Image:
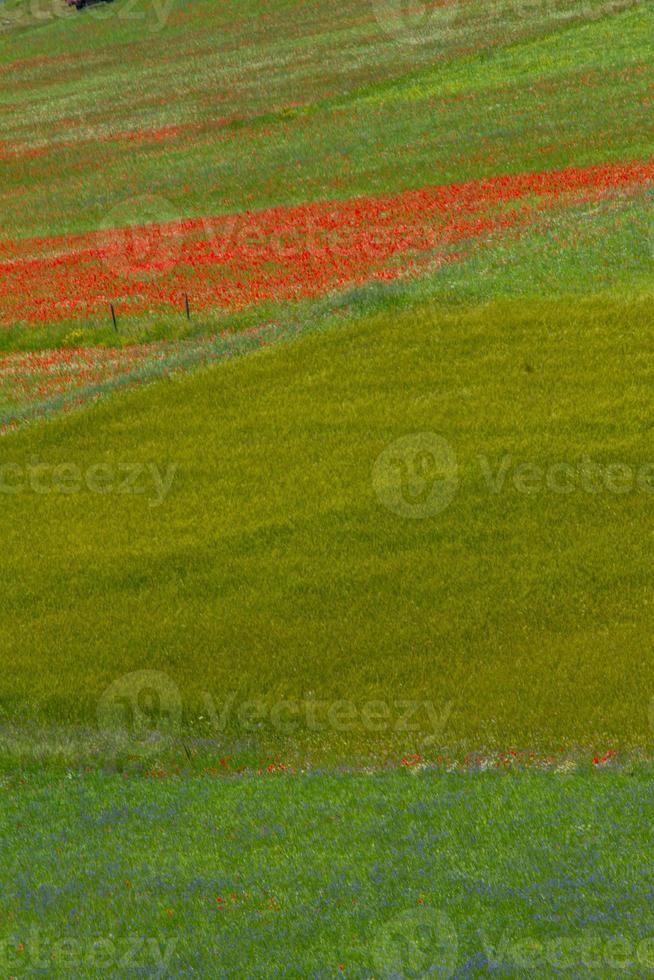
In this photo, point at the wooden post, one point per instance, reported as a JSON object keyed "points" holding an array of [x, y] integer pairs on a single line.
{"points": [[113, 317], [188, 309]]}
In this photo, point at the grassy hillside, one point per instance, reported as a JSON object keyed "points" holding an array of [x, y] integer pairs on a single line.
{"points": [[215, 111], [221, 107], [450, 219], [326, 487], [283, 563]]}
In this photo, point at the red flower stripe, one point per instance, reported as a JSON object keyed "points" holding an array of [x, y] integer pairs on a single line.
{"points": [[280, 253]]}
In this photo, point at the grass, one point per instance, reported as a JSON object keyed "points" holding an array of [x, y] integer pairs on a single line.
{"points": [[216, 126], [276, 565], [331, 659], [571, 247], [331, 874]]}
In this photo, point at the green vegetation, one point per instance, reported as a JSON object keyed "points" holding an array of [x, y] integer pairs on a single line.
{"points": [[224, 107], [272, 568], [326, 875], [269, 627]]}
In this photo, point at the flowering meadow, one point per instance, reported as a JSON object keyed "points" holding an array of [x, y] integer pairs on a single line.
{"points": [[328, 874], [35, 385], [282, 253], [247, 191], [326, 487], [279, 256], [428, 221]]}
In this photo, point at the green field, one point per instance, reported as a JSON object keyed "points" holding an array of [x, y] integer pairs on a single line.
{"points": [[326, 617], [278, 562], [325, 875], [263, 550], [269, 105]]}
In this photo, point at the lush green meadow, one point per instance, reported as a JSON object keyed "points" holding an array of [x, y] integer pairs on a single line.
{"points": [[276, 561], [326, 613], [221, 108], [326, 875], [255, 549]]}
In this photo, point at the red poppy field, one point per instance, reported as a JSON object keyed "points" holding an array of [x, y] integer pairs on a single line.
{"points": [[282, 254]]}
